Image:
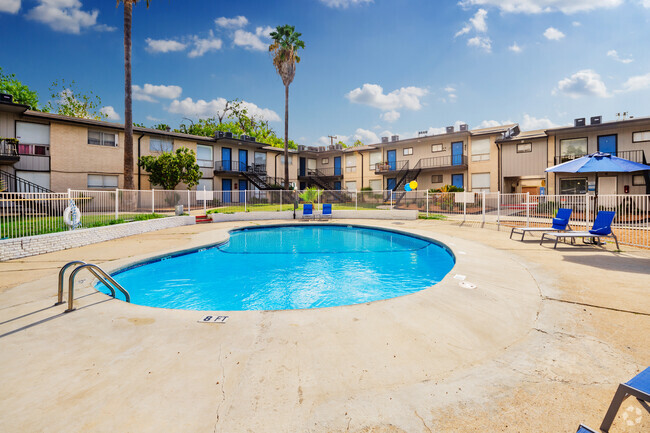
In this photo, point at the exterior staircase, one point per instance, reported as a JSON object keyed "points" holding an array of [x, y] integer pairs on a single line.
{"points": [[404, 176]]}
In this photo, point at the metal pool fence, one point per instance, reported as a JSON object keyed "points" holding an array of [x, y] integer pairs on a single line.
{"points": [[27, 214]]}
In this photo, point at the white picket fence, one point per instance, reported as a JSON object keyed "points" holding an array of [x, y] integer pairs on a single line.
{"points": [[26, 214]]}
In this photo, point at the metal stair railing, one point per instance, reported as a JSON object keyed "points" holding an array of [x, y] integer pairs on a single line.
{"points": [[13, 183], [98, 272]]}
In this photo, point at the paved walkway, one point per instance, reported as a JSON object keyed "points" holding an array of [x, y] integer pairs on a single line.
{"points": [[540, 346]]}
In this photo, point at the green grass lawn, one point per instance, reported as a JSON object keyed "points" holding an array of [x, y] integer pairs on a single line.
{"points": [[235, 207]]}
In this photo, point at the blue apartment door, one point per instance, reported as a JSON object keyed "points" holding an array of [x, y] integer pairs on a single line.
{"points": [[337, 166], [243, 159], [390, 183], [457, 153], [303, 167], [457, 180], [337, 185], [226, 187], [243, 186], [391, 156], [226, 158], [607, 144]]}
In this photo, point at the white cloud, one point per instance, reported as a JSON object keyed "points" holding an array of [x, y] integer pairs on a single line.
{"points": [[231, 23], [149, 92], [614, 55], [65, 16], [437, 130], [531, 123], [639, 82], [203, 109], [390, 116], [484, 43], [477, 22], [544, 6], [110, 113], [583, 83], [553, 34], [576, 24], [646, 3], [104, 28], [153, 119], [365, 136], [451, 94], [491, 124], [515, 48], [164, 45], [10, 6], [343, 4], [374, 96], [253, 41], [202, 46]]}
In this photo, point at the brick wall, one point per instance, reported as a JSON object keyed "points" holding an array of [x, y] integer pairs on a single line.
{"points": [[41, 244]]}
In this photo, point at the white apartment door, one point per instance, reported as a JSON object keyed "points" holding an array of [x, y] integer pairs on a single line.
{"points": [[607, 185]]}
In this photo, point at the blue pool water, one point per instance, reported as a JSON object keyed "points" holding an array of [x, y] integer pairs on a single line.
{"points": [[290, 267]]}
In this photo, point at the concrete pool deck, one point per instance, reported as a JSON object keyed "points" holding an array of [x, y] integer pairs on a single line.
{"points": [[540, 345]]}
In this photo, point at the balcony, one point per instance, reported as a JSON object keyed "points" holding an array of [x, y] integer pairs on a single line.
{"points": [[443, 162], [8, 152], [235, 167], [390, 167], [321, 172], [631, 155]]}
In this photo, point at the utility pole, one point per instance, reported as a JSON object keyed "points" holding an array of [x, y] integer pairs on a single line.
{"points": [[332, 138]]}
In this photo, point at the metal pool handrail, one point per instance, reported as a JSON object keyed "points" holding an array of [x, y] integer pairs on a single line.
{"points": [[96, 271], [62, 276]]}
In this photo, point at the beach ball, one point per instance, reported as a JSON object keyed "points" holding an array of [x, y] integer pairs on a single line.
{"points": [[407, 187], [413, 184]]}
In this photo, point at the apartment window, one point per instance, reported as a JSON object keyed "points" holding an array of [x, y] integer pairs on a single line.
{"points": [[158, 144], [638, 180], [290, 160], [481, 182], [205, 184], [436, 178], [260, 159], [408, 151], [375, 184], [32, 149], [374, 158], [573, 147], [99, 138], [573, 186], [351, 164], [481, 150], [436, 148], [34, 138], [102, 181], [524, 147], [325, 161], [311, 164], [204, 155], [351, 186], [640, 136]]}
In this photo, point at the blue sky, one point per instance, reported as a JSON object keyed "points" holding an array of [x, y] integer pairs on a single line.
{"points": [[370, 67]]}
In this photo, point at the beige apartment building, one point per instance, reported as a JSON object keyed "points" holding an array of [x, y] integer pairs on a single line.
{"points": [[56, 152]]}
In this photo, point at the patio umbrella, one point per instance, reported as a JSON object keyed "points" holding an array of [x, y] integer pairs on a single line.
{"points": [[598, 162]]}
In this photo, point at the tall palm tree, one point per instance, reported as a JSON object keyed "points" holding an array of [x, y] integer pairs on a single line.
{"points": [[286, 42], [128, 104]]}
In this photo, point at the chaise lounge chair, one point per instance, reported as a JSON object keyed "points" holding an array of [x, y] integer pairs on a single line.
{"points": [[327, 211], [584, 429], [638, 386], [602, 228], [560, 224], [307, 211]]}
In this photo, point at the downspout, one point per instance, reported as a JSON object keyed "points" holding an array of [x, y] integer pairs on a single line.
{"points": [[499, 184], [361, 169], [139, 169], [276, 168]]}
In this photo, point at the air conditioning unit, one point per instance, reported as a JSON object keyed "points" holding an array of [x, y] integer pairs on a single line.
{"points": [[331, 147], [228, 135], [338, 146], [596, 120], [579, 122], [253, 139], [384, 139], [4, 97], [394, 138], [312, 149], [220, 134], [450, 130], [464, 127], [244, 137], [321, 148], [301, 147]]}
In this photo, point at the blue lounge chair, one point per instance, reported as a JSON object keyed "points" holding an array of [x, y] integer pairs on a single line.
{"points": [[584, 429], [560, 224], [638, 386], [307, 211], [602, 228], [327, 211]]}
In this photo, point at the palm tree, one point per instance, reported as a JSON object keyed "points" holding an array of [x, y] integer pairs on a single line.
{"points": [[128, 104], [285, 46]]}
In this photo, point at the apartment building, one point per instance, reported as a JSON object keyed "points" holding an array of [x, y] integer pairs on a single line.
{"points": [[56, 152]]}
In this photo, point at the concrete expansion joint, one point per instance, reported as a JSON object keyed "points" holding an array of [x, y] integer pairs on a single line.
{"points": [[601, 307]]}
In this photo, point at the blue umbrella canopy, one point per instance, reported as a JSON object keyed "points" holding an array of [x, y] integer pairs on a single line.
{"points": [[599, 162]]}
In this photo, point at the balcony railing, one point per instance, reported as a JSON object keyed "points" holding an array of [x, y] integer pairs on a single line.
{"points": [[8, 150], [631, 155], [391, 166], [443, 161], [238, 167], [322, 172]]}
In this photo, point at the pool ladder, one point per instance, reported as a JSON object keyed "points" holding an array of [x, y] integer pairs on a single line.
{"points": [[98, 272]]}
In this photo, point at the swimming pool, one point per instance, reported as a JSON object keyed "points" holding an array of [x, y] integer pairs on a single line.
{"points": [[290, 267]]}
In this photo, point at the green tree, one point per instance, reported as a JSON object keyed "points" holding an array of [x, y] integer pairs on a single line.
{"points": [[161, 127], [68, 101], [20, 92], [171, 168], [286, 42], [128, 100], [310, 195]]}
